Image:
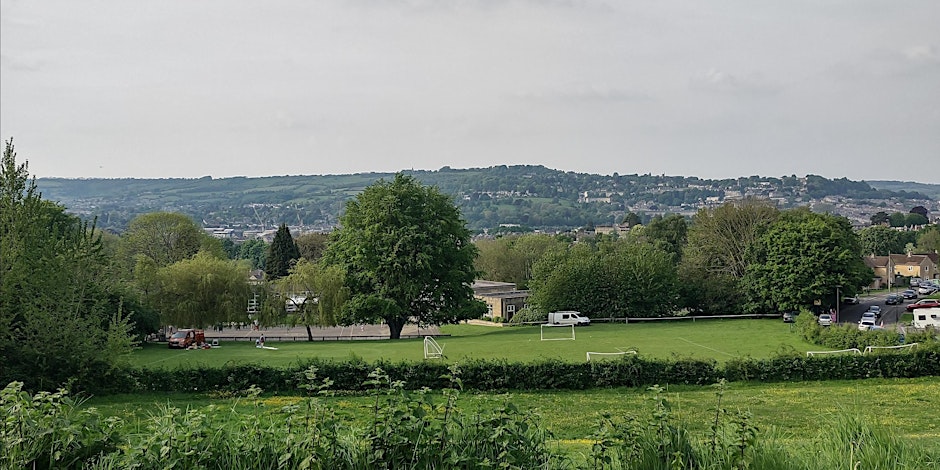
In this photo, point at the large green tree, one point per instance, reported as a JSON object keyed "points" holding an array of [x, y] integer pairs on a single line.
{"points": [[669, 233], [282, 253], [407, 256], [202, 291], [611, 279], [324, 291], [715, 257], [928, 239], [255, 251], [804, 257], [312, 245], [511, 258], [880, 240], [165, 238], [719, 238], [59, 318]]}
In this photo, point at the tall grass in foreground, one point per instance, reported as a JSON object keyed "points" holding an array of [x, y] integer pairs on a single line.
{"points": [[418, 429]]}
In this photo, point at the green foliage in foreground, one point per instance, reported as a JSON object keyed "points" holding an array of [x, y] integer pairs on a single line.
{"points": [[403, 429]]}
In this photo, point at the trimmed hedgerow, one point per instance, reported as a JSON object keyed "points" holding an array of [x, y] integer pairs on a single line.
{"points": [[629, 371]]}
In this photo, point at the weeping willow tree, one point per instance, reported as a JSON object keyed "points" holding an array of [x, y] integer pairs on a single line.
{"points": [[202, 291], [322, 288]]}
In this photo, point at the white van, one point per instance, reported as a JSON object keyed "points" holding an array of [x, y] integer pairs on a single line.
{"points": [[568, 317], [924, 317]]}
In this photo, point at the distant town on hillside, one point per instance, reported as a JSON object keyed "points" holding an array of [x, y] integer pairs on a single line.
{"points": [[520, 197]]}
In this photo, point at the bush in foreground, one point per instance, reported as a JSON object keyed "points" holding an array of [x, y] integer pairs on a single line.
{"points": [[418, 430]]}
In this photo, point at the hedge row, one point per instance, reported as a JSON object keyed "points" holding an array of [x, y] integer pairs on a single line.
{"points": [[629, 371]]}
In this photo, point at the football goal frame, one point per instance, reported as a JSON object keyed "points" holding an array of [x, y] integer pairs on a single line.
{"points": [[549, 325], [869, 349], [850, 350], [432, 349], [608, 354]]}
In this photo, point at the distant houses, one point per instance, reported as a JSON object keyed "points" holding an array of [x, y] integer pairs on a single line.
{"points": [[893, 270]]}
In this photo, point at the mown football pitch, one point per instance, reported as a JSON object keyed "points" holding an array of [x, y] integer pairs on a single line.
{"points": [[720, 340]]}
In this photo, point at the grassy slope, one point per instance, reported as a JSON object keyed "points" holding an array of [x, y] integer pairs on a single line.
{"points": [[797, 412], [711, 339]]}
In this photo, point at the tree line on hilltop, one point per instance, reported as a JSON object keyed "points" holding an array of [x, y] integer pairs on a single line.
{"points": [[528, 195]]}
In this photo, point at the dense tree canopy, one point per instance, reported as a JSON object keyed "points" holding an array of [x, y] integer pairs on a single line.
{"points": [[59, 317], [719, 238], [407, 256], [928, 240], [803, 257], [667, 233], [202, 291], [312, 245], [880, 240], [511, 258], [322, 288], [166, 238], [282, 253], [611, 279], [255, 251]]}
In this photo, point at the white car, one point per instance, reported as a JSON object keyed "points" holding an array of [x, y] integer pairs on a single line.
{"points": [[825, 320], [926, 289], [866, 325], [868, 316]]}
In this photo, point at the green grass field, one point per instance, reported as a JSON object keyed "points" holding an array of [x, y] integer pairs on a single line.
{"points": [[710, 339], [794, 412]]}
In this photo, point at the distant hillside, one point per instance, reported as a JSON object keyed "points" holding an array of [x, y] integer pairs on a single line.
{"points": [[930, 190], [530, 196]]}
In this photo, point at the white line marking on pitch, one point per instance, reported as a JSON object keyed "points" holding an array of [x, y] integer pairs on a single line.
{"points": [[706, 347]]}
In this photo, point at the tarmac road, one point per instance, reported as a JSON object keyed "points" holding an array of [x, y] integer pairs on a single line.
{"points": [[890, 314]]}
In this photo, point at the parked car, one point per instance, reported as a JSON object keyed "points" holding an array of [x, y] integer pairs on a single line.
{"points": [[926, 289], [850, 300], [874, 309], [924, 303], [866, 325], [894, 299], [790, 317], [825, 320], [909, 294]]}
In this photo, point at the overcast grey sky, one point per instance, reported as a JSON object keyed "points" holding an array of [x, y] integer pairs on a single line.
{"points": [[714, 89]]}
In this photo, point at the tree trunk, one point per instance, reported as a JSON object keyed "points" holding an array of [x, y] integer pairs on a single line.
{"points": [[309, 333], [395, 326]]}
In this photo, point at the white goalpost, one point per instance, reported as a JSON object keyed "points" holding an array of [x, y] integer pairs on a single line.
{"points": [[603, 355], [549, 325], [432, 350], [903, 346], [850, 350]]}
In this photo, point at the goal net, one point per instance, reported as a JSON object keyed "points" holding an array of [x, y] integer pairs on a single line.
{"points": [[591, 355], [432, 350], [903, 346], [841, 351], [556, 332]]}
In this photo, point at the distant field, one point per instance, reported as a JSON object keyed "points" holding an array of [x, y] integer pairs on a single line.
{"points": [[709, 339]]}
